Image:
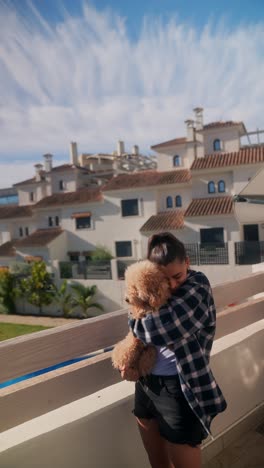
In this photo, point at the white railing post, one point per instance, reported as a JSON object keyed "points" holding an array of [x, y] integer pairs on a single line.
{"points": [[231, 253], [114, 269]]}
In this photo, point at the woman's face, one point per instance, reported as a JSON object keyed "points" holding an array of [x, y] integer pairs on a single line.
{"points": [[177, 272]]}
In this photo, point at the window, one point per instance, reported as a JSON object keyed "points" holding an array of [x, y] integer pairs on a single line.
{"points": [[57, 221], [251, 232], [87, 255], [123, 249], [26, 231], [74, 257], [217, 145], [21, 232], [83, 222], [169, 203], [61, 185], [50, 221], [31, 196], [212, 236], [176, 161], [178, 201], [221, 186], [129, 207], [211, 187]]}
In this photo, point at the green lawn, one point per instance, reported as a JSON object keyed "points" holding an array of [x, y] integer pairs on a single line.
{"points": [[11, 330]]}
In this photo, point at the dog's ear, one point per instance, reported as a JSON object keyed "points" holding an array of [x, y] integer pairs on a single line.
{"points": [[160, 294]]}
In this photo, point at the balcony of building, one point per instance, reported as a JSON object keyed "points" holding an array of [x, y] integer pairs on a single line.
{"points": [[79, 414]]}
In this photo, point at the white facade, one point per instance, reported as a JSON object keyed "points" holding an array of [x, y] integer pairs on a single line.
{"points": [[107, 225]]}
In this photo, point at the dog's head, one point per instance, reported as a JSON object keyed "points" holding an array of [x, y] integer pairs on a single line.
{"points": [[147, 287]]}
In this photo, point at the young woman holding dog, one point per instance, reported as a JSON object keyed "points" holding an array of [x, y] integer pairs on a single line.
{"points": [[175, 405]]}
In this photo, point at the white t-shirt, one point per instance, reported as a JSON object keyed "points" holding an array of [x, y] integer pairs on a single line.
{"points": [[166, 362]]}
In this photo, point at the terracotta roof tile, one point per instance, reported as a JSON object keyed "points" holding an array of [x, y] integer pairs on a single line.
{"points": [[147, 179], [15, 211], [80, 196], [252, 155], [39, 238], [171, 220], [61, 168], [210, 207], [176, 141], [26, 182], [220, 124], [8, 249]]}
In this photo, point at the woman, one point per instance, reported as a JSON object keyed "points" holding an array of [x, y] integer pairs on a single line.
{"points": [[175, 405]]}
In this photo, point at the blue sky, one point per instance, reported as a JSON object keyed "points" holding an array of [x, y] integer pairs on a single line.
{"points": [[99, 71]]}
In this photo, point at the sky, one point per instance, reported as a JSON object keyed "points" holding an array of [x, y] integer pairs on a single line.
{"points": [[100, 71]]}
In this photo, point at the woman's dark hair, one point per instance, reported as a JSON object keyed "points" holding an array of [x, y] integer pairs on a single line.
{"points": [[164, 248]]}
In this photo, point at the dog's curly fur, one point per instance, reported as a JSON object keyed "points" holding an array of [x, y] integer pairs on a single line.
{"points": [[147, 289]]}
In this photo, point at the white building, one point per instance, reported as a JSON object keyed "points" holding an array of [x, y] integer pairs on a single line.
{"points": [[96, 199]]}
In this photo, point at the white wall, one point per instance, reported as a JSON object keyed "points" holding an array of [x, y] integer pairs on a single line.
{"points": [[242, 174], [194, 224], [200, 182], [58, 247], [108, 225], [99, 430], [165, 159], [173, 191], [69, 178], [24, 194], [36, 252], [5, 232], [228, 136], [44, 214], [32, 226]]}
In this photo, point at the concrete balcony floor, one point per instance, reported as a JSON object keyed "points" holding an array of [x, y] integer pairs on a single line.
{"points": [[246, 452]]}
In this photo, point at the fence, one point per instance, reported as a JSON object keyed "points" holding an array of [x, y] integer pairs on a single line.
{"points": [[208, 254], [122, 266], [86, 270], [249, 252], [246, 253]]}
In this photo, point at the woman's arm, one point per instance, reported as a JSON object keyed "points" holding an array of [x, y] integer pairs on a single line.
{"points": [[184, 314]]}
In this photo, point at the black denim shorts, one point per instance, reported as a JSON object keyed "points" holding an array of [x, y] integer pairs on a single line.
{"points": [[161, 398]]}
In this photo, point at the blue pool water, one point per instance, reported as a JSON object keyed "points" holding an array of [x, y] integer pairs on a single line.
{"points": [[7, 383]]}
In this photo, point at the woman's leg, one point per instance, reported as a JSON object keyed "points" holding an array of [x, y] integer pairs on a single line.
{"points": [[154, 444], [184, 455]]}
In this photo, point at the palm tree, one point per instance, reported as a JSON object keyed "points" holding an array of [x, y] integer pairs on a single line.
{"points": [[84, 296], [63, 299]]}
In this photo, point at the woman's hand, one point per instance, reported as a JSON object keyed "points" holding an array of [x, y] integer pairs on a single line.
{"points": [[129, 373]]}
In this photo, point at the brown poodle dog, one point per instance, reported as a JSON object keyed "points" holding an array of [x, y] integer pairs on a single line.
{"points": [[147, 289]]}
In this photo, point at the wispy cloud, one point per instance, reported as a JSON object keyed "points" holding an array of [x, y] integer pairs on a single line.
{"points": [[85, 80]]}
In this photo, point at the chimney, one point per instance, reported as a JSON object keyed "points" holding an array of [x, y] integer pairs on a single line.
{"points": [[198, 113], [47, 162], [135, 150], [120, 148], [115, 167], [74, 154], [38, 168], [190, 129]]}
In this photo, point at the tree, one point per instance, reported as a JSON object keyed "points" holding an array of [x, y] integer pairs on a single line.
{"points": [[38, 288], [63, 298], [83, 298], [7, 304], [101, 253]]}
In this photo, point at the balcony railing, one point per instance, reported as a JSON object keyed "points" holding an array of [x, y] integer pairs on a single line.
{"points": [[86, 270], [122, 266], [80, 415], [221, 253], [249, 252], [208, 254]]}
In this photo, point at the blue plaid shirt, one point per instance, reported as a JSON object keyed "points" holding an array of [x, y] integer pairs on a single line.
{"points": [[186, 323]]}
